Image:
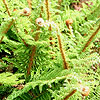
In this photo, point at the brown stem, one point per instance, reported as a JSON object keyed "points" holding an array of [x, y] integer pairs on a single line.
{"points": [[6, 30], [24, 42], [47, 8], [1, 39], [32, 54], [69, 95], [34, 48], [25, 31], [51, 38], [36, 38], [31, 60], [48, 18], [62, 53], [29, 3], [4, 1], [90, 39]]}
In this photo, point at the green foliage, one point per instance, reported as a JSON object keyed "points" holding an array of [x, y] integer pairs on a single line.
{"points": [[31, 67], [10, 79]]}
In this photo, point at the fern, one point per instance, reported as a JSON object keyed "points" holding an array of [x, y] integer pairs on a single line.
{"points": [[41, 58], [14, 79]]}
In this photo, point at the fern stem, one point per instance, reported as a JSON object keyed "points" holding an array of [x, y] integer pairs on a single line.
{"points": [[32, 54], [62, 53], [29, 3], [24, 42], [48, 18], [1, 39], [4, 1], [47, 8], [6, 30], [69, 95], [34, 47], [51, 38], [31, 60], [91, 38]]}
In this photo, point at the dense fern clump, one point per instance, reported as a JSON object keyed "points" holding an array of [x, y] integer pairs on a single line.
{"points": [[49, 50]]}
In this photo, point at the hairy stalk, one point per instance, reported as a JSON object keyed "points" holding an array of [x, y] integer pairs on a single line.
{"points": [[4, 1], [31, 60], [69, 95], [91, 38], [62, 53], [6, 30], [51, 38], [29, 3], [32, 54], [24, 42], [47, 8], [1, 39], [48, 18]]}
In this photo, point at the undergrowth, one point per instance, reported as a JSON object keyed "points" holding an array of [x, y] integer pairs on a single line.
{"points": [[49, 50]]}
